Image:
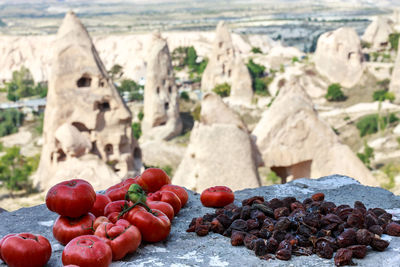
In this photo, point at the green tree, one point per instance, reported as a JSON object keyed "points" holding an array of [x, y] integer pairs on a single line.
{"points": [[256, 50], [394, 40], [22, 85], [335, 93], [381, 95], [191, 58], [222, 90], [256, 70], [137, 130], [367, 155], [16, 168], [259, 82], [132, 88], [116, 71], [371, 123], [10, 121]]}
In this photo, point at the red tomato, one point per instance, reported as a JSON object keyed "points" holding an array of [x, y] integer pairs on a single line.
{"points": [[118, 191], [152, 179], [217, 196], [65, 229], [101, 202], [87, 251], [154, 227], [72, 198], [166, 208], [167, 196], [178, 190], [99, 220], [122, 237], [25, 250], [116, 206]]}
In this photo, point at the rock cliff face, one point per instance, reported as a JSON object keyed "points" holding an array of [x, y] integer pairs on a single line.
{"points": [[294, 141], [377, 33], [338, 56], [241, 88], [161, 119], [220, 152], [188, 249], [87, 127]]}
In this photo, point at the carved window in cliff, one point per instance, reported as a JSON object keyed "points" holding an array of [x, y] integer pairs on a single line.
{"points": [[104, 106], [220, 44], [229, 73], [109, 149], [137, 153], [169, 89], [228, 51], [223, 68], [101, 83], [61, 156], [158, 89], [166, 105], [218, 57], [84, 81], [298, 170]]}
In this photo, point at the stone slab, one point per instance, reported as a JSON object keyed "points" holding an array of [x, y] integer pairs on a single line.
{"points": [[187, 249]]}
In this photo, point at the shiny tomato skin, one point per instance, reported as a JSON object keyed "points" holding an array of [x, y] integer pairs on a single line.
{"points": [[72, 198], [179, 191], [25, 250], [168, 197], [99, 220], [115, 206], [118, 191], [87, 251], [154, 227], [99, 205], [152, 179], [217, 196], [65, 229], [165, 207], [122, 237]]}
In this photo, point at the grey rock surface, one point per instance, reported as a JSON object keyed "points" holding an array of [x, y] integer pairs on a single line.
{"points": [[187, 249]]}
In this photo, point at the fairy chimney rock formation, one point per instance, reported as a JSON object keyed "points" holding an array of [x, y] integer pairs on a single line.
{"points": [[87, 127], [241, 88], [221, 62], [220, 152], [395, 80], [294, 141], [338, 57], [377, 33], [161, 119]]}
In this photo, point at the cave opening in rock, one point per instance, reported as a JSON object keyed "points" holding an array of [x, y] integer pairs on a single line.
{"points": [[80, 126], [84, 81], [103, 106], [109, 149]]}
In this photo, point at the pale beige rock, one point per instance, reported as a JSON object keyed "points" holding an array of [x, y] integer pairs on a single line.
{"points": [[161, 153], [73, 142], [377, 33], [241, 88], [294, 141], [219, 69], [338, 57], [395, 81], [82, 96], [220, 152], [282, 55], [161, 119]]}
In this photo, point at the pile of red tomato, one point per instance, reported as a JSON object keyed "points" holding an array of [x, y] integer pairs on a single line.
{"points": [[97, 228]]}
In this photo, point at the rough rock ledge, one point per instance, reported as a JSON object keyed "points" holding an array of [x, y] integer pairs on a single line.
{"points": [[187, 249]]}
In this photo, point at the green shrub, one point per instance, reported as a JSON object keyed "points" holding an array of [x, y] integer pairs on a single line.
{"points": [[369, 124], [394, 40], [260, 87], [295, 59], [273, 178], [335, 93], [116, 71], [10, 121], [140, 115], [391, 170], [381, 95], [365, 44], [222, 90], [384, 84], [256, 70], [40, 123], [130, 86], [185, 96], [137, 130], [196, 112], [259, 82], [184, 56], [367, 155], [16, 168], [256, 50]]}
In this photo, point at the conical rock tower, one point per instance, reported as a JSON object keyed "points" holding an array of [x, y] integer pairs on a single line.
{"points": [[87, 127]]}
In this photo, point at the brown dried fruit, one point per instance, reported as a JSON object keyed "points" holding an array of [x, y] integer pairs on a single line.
{"points": [[282, 224], [376, 229], [239, 224], [359, 205], [347, 238], [250, 201], [393, 229], [359, 251], [296, 205], [202, 229], [378, 211], [272, 245], [343, 257], [224, 220], [252, 224], [248, 241], [318, 197], [370, 220], [275, 203], [259, 247], [364, 237], [355, 220], [245, 213], [217, 227], [281, 212], [237, 238], [324, 249], [279, 235], [379, 244]]}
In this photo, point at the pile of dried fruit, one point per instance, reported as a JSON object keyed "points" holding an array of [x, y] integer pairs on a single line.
{"points": [[287, 227]]}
